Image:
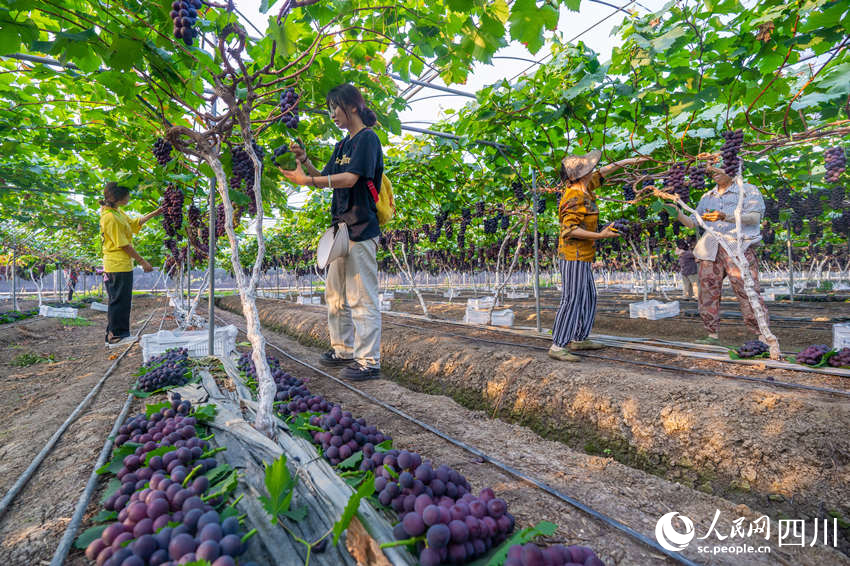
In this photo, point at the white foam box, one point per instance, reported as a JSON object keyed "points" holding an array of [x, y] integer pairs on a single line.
{"points": [[770, 293], [95, 306], [387, 295], [504, 317], [841, 335], [653, 310], [195, 341], [57, 312], [477, 316], [385, 305], [516, 295], [479, 303]]}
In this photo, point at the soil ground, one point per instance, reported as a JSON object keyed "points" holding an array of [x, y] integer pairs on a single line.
{"points": [[632, 496], [35, 400]]}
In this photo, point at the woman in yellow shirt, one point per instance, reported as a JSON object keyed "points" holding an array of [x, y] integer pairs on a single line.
{"points": [[117, 229], [578, 216]]}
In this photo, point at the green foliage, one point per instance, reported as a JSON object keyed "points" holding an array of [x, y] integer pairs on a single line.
{"points": [[280, 484], [29, 359], [366, 489]]}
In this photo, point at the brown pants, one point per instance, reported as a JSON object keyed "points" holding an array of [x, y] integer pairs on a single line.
{"points": [[711, 275]]}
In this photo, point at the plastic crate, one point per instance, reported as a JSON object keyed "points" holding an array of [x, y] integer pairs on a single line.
{"points": [[385, 305], [477, 316], [516, 295], [503, 317], [770, 293], [95, 306], [387, 295], [841, 335], [653, 310], [195, 341], [54, 312], [479, 303]]}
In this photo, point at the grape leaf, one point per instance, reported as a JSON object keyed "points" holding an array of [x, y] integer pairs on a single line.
{"points": [[156, 407], [117, 462], [351, 461], [497, 558], [205, 414], [105, 516], [113, 486], [366, 489], [216, 474], [280, 484], [384, 446], [89, 535], [296, 515]]}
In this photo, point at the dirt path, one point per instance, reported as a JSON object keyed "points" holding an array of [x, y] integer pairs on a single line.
{"points": [[34, 401], [632, 496]]}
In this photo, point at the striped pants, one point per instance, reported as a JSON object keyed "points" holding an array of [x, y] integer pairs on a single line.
{"points": [[578, 303]]}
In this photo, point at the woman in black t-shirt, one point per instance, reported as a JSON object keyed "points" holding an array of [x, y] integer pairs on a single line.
{"points": [[351, 290]]}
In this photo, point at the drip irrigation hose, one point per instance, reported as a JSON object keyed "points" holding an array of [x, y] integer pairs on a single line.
{"points": [[697, 371], [497, 463], [83, 502], [25, 477]]}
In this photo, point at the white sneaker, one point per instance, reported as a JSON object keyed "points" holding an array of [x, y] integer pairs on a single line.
{"points": [[123, 342]]}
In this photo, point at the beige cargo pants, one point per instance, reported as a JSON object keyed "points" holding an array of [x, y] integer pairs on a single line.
{"points": [[354, 317]]}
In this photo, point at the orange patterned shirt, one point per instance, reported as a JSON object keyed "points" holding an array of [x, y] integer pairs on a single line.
{"points": [[578, 209]]}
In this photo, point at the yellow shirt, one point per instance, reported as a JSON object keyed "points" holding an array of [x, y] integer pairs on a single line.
{"points": [[117, 229], [578, 209]]}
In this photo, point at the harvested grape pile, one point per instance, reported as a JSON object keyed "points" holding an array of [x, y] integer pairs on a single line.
{"points": [[812, 355], [14, 316], [434, 502], [752, 349], [557, 555], [166, 505], [168, 370]]}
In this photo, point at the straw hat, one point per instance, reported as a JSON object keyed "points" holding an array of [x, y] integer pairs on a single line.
{"points": [[332, 245], [574, 167]]}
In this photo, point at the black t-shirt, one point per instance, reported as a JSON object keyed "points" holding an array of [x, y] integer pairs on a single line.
{"points": [[362, 155]]}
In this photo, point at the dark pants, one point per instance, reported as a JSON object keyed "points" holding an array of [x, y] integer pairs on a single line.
{"points": [[119, 286], [70, 292]]}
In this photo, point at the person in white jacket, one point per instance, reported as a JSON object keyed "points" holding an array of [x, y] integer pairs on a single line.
{"points": [[717, 209]]}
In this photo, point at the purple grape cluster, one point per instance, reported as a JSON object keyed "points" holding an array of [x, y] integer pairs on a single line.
{"points": [[243, 170], [621, 226], [836, 197], [456, 531], [731, 146], [628, 192], [172, 214], [697, 177], [541, 204], [479, 208], [841, 358], [289, 107], [184, 14], [504, 220], [812, 355], [162, 151], [345, 435], [519, 190], [292, 396], [556, 555], [752, 349], [155, 493], [835, 162], [168, 370], [490, 225]]}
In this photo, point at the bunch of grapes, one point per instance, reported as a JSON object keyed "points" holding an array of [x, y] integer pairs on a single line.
{"points": [[490, 225], [697, 177], [642, 212], [184, 14], [479, 208], [556, 555], [812, 355], [162, 516], [289, 108], [162, 151], [621, 226], [676, 176], [194, 216], [783, 196], [752, 349], [518, 189], [731, 146], [835, 162], [343, 435], [220, 223], [836, 197], [461, 234], [504, 221], [243, 170], [169, 369], [541, 205], [841, 358], [172, 214], [628, 192], [456, 530]]}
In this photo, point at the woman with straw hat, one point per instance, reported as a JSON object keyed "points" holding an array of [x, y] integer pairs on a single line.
{"points": [[578, 216]]}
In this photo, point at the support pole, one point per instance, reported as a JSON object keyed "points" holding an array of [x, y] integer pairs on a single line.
{"points": [[535, 196], [15, 279], [211, 268], [790, 260]]}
